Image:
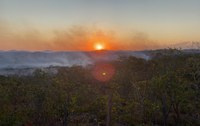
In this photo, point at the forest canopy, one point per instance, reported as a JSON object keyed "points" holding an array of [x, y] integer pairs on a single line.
{"points": [[164, 90]]}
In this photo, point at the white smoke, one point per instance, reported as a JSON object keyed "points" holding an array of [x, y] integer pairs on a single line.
{"points": [[21, 60]]}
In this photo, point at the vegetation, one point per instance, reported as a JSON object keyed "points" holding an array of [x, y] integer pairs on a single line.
{"points": [[162, 91]]}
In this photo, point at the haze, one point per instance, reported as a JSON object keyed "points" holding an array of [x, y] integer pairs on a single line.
{"points": [[80, 24]]}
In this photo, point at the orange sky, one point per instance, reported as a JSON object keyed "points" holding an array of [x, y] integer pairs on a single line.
{"points": [[83, 38], [80, 24]]}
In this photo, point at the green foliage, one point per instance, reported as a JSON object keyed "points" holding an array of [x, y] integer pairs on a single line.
{"points": [[162, 91]]}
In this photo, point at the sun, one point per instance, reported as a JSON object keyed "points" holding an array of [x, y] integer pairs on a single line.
{"points": [[99, 46]]}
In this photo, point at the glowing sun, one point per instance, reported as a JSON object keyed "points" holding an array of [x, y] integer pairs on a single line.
{"points": [[99, 47]]}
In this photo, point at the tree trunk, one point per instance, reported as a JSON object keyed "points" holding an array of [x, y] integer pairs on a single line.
{"points": [[109, 108], [164, 110], [66, 111], [65, 115], [177, 112]]}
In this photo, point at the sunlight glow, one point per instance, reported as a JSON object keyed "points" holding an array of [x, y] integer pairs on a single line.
{"points": [[99, 47], [104, 73]]}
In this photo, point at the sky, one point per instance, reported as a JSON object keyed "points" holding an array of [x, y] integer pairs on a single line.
{"points": [[80, 24]]}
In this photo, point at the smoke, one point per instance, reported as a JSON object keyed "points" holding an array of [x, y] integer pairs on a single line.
{"points": [[20, 59], [23, 38], [77, 37], [141, 41], [23, 59], [82, 38]]}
